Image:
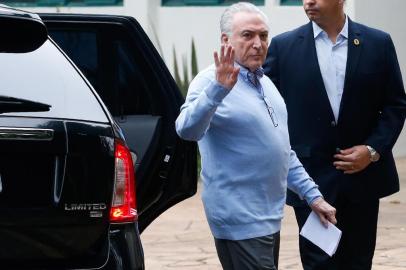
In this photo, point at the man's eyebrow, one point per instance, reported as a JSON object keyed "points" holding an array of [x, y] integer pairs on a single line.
{"points": [[254, 31]]}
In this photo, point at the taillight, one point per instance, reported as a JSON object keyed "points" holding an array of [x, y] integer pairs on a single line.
{"points": [[123, 207]]}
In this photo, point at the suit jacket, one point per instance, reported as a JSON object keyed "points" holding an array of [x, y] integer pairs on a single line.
{"points": [[372, 110]]}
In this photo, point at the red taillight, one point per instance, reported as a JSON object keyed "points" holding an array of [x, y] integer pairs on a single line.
{"points": [[123, 207]]}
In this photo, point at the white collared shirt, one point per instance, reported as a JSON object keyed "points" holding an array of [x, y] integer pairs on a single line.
{"points": [[332, 58]]}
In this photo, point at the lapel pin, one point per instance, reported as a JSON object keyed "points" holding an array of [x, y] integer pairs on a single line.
{"points": [[356, 42]]}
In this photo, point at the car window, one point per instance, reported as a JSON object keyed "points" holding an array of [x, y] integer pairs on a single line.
{"points": [[81, 47], [108, 60], [132, 86], [46, 76]]}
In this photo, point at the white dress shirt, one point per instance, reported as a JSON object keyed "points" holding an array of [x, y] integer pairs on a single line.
{"points": [[332, 59]]}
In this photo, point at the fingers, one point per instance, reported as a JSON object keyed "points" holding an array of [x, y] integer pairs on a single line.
{"points": [[332, 219], [222, 53], [323, 220], [347, 157], [325, 211], [226, 72], [232, 55], [347, 151], [341, 165], [347, 167], [352, 153], [216, 59], [331, 215], [235, 73], [226, 56], [228, 52], [352, 160]]}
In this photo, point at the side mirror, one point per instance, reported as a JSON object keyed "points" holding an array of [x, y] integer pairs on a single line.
{"points": [[20, 31]]}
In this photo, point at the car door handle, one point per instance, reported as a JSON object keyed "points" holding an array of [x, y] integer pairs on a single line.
{"points": [[15, 133]]}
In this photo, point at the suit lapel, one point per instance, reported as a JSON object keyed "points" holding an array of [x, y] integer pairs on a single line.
{"points": [[355, 44], [318, 91]]}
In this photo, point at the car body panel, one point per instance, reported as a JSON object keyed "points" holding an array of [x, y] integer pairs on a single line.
{"points": [[56, 192]]}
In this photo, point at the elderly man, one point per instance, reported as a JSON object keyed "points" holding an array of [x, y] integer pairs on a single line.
{"points": [[343, 89], [240, 122]]}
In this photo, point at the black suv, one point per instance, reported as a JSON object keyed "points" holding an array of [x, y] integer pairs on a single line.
{"points": [[73, 129]]}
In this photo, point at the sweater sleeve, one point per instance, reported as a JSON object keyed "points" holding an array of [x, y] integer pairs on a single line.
{"points": [[204, 96], [391, 117], [300, 182]]}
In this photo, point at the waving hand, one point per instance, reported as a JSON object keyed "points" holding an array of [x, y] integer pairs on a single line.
{"points": [[226, 72]]}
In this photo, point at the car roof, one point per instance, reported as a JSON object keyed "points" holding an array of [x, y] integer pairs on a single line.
{"points": [[6, 11]]}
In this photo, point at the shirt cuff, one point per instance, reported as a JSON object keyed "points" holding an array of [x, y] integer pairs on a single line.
{"points": [[311, 195], [216, 93]]}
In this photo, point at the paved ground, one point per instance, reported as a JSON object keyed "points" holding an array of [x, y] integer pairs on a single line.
{"points": [[180, 238]]}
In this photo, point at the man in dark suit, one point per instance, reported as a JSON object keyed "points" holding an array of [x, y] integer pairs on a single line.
{"points": [[346, 105]]}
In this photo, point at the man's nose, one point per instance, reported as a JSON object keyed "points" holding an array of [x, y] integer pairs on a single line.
{"points": [[256, 42]]}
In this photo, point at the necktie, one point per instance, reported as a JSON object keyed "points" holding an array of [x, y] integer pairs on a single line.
{"points": [[254, 77]]}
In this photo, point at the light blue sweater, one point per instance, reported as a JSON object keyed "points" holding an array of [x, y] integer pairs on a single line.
{"points": [[247, 162]]}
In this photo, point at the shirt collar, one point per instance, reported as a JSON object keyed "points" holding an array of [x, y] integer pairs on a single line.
{"points": [[317, 30], [244, 71]]}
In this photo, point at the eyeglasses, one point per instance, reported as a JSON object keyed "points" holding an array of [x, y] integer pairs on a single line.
{"points": [[270, 111]]}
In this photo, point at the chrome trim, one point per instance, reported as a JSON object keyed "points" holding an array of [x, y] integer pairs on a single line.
{"points": [[21, 134]]}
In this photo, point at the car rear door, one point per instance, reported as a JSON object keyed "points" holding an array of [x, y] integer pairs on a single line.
{"points": [[120, 61]]}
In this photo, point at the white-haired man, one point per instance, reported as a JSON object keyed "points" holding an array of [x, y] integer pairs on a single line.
{"points": [[240, 122]]}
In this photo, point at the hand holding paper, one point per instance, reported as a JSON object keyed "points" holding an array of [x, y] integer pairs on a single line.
{"points": [[324, 210], [327, 238]]}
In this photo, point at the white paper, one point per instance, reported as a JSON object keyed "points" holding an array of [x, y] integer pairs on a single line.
{"points": [[325, 238]]}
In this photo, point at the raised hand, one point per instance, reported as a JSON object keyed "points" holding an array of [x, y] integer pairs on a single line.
{"points": [[226, 73]]}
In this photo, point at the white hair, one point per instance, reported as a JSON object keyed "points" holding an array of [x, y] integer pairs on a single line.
{"points": [[226, 20]]}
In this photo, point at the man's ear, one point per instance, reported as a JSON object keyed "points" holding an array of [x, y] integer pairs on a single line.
{"points": [[224, 39]]}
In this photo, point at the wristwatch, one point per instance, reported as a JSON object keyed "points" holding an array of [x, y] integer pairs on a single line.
{"points": [[373, 155]]}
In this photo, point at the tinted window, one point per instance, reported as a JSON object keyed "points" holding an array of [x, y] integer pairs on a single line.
{"points": [[132, 86], [46, 76], [109, 62], [81, 47]]}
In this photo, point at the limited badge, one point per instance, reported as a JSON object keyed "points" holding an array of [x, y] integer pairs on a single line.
{"points": [[356, 42]]}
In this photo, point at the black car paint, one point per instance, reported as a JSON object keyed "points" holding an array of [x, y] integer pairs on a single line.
{"points": [[41, 226]]}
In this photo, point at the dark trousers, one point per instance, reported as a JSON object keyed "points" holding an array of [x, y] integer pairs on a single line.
{"points": [[249, 254], [358, 223]]}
